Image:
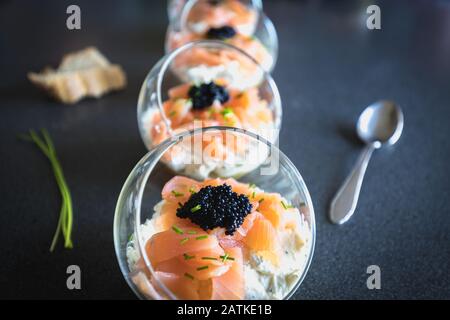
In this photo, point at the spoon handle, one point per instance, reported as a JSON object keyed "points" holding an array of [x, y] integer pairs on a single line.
{"points": [[344, 203]]}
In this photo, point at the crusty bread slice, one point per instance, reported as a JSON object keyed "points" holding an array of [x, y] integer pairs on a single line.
{"points": [[86, 73]]}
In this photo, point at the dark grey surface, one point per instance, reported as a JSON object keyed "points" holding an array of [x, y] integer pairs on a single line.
{"points": [[330, 67]]}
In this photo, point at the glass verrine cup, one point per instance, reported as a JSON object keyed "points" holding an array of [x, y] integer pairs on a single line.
{"points": [[181, 93], [141, 214], [254, 32]]}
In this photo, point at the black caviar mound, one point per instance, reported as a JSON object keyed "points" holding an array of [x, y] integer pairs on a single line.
{"points": [[204, 95], [213, 207], [214, 2], [221, 33]]}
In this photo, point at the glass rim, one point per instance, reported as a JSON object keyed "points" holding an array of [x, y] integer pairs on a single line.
{"points": [[263, 19], [168, 59], [187, 7], [158, 152]]}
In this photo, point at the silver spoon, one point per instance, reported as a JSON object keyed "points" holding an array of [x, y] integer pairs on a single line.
{"points": [[380, 123]]}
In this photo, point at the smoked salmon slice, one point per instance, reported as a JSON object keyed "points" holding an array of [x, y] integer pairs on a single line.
{"points": [[180, 91], [168, 217], [231, 285], [272, 207], [182, 287], [169, 244], [179, 189], [203, 270], [262, 236]]}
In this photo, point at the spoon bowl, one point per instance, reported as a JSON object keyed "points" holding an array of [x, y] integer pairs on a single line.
{"points": [[380, 123]]}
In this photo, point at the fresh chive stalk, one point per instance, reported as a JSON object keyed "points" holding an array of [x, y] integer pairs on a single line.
{"points": [[177, 194], [226, 257], [202, 268], [177, 230], [187, 256], [65, 221], [192, 190], [286, 206], [189, 276]]}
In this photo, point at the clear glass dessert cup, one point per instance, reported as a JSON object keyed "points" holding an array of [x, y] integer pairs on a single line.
{"points": [[273, 172], [175, 7], [175, 69], [260, 32]]}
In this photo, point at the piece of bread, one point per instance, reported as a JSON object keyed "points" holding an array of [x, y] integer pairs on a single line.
{"points": [[86, 73]]}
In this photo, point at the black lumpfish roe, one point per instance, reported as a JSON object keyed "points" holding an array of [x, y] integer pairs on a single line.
{"points": [[213, 207], [222, 33], [204, 95]]}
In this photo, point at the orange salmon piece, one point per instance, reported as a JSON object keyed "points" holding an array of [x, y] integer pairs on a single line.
{"points": [[169, 244], [181, 286], [179, 189], [272, 208], [262, 236], [180, 91], [231, 285]]}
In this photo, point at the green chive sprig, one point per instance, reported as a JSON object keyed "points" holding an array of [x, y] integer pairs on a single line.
{"points": [[65, 221], [202, 268], [177, 230]]}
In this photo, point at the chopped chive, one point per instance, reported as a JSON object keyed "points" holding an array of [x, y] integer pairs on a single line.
{"points": [[202, 268], [188, 275], [192, 190], [253, 194], [173, 113], [180, 204], [209, 258], [183, 241], [261, 200], [252, 186], [226, 257], [192, 232], [177, 230], [227, 112], [196, 208], [187, 257], [177, 194], [286, 206], [201, 237]]}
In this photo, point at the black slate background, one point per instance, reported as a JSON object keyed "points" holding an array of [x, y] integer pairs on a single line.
{"points": [[330, 67]]}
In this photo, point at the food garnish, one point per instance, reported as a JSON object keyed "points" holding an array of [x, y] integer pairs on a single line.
{"points": [[221, 33], [216, 206], [204, 95], [65, 221], [202, 268], [177, 230]]}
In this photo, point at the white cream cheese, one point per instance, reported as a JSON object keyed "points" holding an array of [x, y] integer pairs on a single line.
{"points": [[197, 164], [231, 71]]}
